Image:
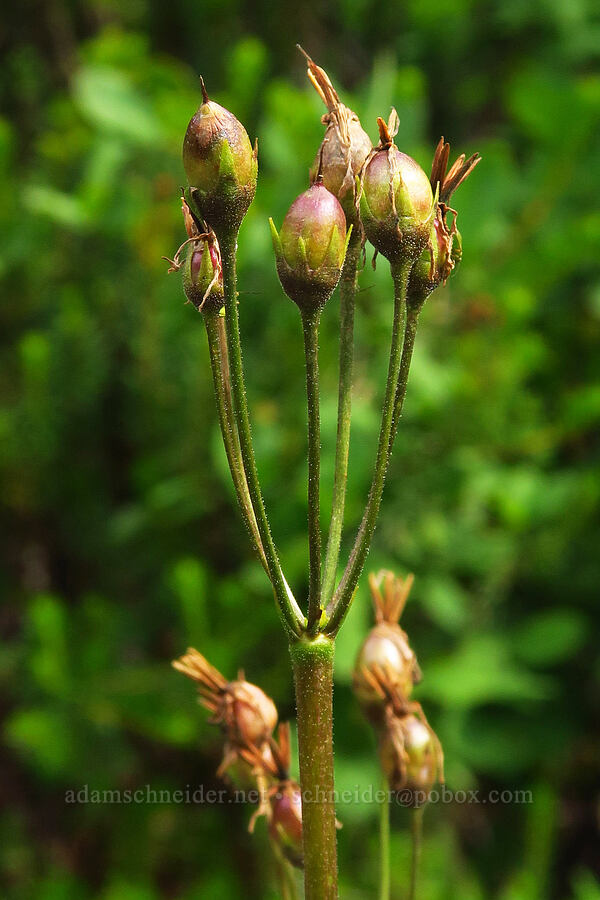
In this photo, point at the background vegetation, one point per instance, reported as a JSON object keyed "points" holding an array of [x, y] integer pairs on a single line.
{"points": [[121, 541]]}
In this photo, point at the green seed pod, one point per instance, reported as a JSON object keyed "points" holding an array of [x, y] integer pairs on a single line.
{"points": [[285, 826], [437, 261], [310, 248], [396, 201], [221, 166]]}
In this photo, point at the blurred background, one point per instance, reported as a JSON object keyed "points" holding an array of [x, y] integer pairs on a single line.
{"points": [[121, 541]]}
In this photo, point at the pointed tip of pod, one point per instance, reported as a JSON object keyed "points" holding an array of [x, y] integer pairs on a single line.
{"points": [[205, 97]]}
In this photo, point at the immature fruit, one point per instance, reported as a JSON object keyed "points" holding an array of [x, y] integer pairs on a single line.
{"points": [[310, 248], [437, 261], [247, 714], [285, 826], [202, 275], [220, 164], [345, 146], [244, 712], [386, 667], [443, 252], [409, 755], [396, 201]]}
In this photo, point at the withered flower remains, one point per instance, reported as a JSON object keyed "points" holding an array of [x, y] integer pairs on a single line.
{"points": [[444, 251], [201, 265], [345, 146], [386, 670]]}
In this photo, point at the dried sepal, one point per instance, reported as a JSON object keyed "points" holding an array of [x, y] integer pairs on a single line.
{"points": [[444, 247], [345, 146]]}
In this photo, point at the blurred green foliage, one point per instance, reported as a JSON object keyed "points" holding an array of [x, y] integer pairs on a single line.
{"points": [[121, 540]]}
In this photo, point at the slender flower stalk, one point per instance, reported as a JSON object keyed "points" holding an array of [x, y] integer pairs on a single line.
{"points": [[347, 301], [310, 325], [416, 830], [289, 610], [340, 603], [412, 318], [217, 345], [384, 844]]}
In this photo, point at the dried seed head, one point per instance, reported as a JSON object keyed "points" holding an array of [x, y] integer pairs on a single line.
{"points": [[345, 146], [386, 667], [220, 164], [243, 710], [311, 246], [411, 758], [396, 201], [285, 826]]}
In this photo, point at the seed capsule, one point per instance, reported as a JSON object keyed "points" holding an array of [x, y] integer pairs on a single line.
{"points": [[396, 201], [411, 759], [310, 248], [386, 666], [345, 146], [243, 710], [285, 826], [444, 250], [220, 164]]}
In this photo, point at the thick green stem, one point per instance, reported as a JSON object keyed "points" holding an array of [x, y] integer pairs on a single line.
{"points": [[340, 603], [310, 324], [221, 380], [416, 829], [347, 295], [384, 844], [289, 610], [313, 676]]}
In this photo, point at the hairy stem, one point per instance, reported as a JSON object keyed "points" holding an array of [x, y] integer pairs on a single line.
{"points": [[416, 830], [289, 610], [384, 844], [312, 662], [347, 295], [310, 324], [340, 603], [412, 319], [220, 371]]}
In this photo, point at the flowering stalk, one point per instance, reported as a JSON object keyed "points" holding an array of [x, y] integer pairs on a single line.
{"points": [[310, 326], [217, 344], [384, 844], [312, 662], [289, 610], [348, 285], [340, 603], [406, 218], [416, 830]]}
